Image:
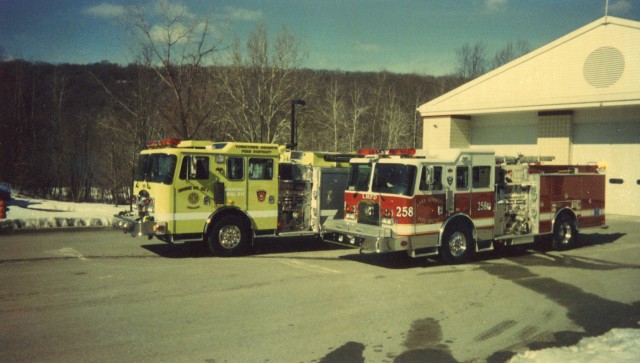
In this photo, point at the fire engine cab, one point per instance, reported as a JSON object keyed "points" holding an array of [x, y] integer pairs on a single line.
{"points": [[229, 193], [454, 203]]}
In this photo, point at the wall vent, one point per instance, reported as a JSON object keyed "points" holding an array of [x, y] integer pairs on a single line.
{"points": [[603, 67]]}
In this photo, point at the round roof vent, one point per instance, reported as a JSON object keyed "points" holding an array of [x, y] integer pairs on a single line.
{"points": [[603, 67]]}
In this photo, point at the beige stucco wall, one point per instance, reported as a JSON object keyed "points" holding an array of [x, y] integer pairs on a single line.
{"points": [[448, 132]]}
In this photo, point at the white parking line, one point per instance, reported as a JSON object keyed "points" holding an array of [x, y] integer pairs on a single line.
{"points": [[70, 252], [309, 266]]}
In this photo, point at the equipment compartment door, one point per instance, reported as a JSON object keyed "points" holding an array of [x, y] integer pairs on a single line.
{"points": [[331, 184]]}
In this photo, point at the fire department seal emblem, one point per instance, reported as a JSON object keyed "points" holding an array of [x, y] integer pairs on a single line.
{"points": [[194, 198], [262, 195]]}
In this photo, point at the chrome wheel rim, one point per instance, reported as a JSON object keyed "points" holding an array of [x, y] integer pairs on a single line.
{"points": [[229, 236], [564, 233], [457, 244]]}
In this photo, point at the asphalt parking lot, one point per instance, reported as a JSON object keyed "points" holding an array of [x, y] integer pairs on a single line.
{"points": [[103, 296]]}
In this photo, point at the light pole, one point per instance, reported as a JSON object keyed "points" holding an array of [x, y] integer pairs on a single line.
{"points": [[293, 144]]}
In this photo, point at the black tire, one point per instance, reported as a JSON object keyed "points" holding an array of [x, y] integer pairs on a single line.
{"points": [[457, 245], [230, 236], [565, 233]]}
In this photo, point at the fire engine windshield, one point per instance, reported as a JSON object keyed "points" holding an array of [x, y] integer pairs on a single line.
{"points": [[359, 177], [156, 168], [394, 179]]}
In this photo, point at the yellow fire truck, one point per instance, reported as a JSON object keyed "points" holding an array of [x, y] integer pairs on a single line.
{"points": [[228, 193]]}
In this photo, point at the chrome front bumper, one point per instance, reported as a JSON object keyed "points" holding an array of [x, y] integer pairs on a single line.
{"points": [[366, 237], [136, 227]]}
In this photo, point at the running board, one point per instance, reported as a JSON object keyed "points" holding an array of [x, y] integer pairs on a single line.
{"points": [[423, 252]]}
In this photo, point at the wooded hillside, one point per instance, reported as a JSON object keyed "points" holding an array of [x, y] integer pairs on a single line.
{"points": [[69, 130]]}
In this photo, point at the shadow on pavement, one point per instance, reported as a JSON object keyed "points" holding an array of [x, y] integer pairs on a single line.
{"points": [[400, 260], [262, 247], [195, 249]]}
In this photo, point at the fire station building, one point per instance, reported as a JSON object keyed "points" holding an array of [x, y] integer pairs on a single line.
{"points": [[576, 99]]}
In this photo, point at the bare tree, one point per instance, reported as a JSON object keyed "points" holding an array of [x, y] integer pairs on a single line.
{"points": [[334, 111], [471, 61], [396, 123], [510, 52], [260, 83], [357, 108], [58, 94], [378, 94], [131, 122], [180, 46]]}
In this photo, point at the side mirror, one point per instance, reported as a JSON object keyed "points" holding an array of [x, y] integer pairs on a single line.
{"points": [[193, 172], [430, 176]]}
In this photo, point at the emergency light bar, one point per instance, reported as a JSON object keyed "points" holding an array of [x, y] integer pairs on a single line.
{"points": [[156, 144], [408, 152]]}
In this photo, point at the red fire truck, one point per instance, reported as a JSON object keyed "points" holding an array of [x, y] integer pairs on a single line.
{"points": [[454, 203]]}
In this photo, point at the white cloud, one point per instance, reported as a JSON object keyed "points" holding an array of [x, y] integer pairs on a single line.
{"points": [[172, 10], [367, 47], [620, 7], [105, 10], [177, 33], [243, 14], [495, 4]]}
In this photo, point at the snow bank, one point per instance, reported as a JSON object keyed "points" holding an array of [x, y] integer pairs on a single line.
{"points": [[618, 345], [28, 213]]}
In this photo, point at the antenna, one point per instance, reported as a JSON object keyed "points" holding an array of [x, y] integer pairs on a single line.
{"points": [[606, 8]]}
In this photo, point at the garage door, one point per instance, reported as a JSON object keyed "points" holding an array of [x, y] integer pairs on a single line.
{"points": [[617, 145]]}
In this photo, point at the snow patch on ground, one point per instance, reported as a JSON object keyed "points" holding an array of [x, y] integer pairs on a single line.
{"points": [[618, 345], [30, 213]]}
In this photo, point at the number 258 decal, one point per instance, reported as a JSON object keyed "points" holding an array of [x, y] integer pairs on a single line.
{"points": [[404, 211]]}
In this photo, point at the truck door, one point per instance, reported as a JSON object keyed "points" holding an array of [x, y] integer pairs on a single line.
{"points": [[459, 183], [482, 192], [482, 195], [193, 194], [430, 199], [473, 185], [262, 192], [236, 183]]}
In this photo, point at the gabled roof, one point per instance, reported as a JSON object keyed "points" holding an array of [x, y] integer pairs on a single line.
{"points": [[594, 66]]}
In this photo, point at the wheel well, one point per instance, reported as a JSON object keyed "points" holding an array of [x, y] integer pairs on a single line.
{"points": [[462, 221], [568, 213], [211, 221]]}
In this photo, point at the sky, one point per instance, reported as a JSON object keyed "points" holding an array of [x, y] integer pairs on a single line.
{"points": [[401, 36]]}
